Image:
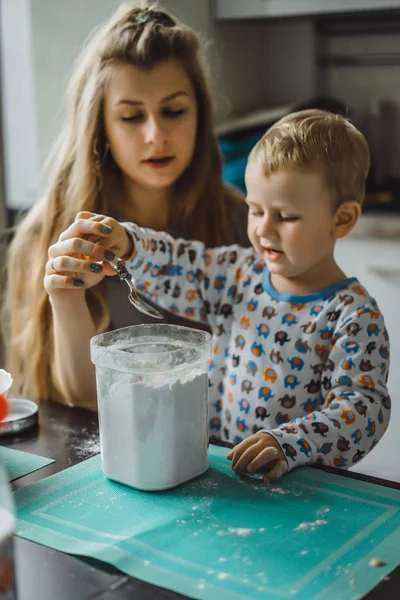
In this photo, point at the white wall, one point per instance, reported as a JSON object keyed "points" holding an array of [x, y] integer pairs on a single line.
{"points": [[59, 29], [18, 110], [39, 41]]}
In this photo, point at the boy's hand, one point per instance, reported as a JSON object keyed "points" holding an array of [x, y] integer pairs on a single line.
{"points": [[257, 451]]}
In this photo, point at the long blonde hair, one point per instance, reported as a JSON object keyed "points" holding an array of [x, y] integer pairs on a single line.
{"points": [[141, 37]]}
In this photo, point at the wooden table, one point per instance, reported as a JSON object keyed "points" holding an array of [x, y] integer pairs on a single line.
{"points": [[70, 435]]}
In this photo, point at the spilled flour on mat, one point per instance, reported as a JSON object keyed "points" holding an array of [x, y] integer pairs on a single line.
{"points": [[311, 525], [280, 491], [242, 531], [283, 491], [323, 510]]}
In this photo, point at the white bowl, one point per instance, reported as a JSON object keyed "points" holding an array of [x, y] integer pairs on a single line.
{"points": [[6, 382]]}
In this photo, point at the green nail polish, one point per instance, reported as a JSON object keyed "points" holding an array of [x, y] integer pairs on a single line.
{"points": [[108, 255], [78, 283], [105, 229], [95, 268]]}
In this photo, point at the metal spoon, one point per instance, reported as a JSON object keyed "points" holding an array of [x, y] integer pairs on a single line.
{"points": [[134, 298]]}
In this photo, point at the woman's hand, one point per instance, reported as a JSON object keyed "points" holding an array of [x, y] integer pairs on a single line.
{"points": [[255, 453], [78, 260]]}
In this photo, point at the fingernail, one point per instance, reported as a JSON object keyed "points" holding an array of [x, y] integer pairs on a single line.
{"points": [[108, 255], [96, 268], [250, 469], [105, 229], [78, 283]]}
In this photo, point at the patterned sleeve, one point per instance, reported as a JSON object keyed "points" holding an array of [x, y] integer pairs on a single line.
{"points": [[355, 412], [182, 276]]}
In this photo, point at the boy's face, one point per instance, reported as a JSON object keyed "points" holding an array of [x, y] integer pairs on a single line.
{"points": [[291, 223]]}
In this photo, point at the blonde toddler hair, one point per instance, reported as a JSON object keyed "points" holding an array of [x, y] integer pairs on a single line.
{"points": [[320, 141]]}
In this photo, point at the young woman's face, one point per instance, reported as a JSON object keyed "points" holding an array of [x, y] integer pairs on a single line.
{"points": [[150, 120]]}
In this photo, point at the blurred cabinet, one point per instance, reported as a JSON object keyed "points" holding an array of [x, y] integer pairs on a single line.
{"points": [[250, 9]]}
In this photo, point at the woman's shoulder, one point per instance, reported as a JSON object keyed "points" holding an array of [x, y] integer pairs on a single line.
{"points": [[237, 212]]}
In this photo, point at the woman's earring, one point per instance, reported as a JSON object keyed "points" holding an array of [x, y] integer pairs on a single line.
{"points": [[98, 160]]}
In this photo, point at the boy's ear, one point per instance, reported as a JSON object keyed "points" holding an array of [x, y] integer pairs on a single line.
{"points": [[346, 217]]}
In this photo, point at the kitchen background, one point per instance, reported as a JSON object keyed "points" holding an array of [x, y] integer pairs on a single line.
{"points": [[267, 57]]}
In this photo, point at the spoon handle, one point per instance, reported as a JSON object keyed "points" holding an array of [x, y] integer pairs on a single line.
{"points": [[134, 298]]}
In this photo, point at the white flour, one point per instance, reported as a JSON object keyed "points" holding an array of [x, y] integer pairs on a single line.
{"points": [[323, 510], [154, 430], [88, 447], [241, 531], [311, 525]]}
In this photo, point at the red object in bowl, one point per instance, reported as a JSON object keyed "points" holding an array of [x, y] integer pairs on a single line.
{"points": [[4, 407]]}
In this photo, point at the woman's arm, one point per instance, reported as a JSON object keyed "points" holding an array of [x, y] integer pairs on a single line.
{"points": [[68, 275], [72, 369]]}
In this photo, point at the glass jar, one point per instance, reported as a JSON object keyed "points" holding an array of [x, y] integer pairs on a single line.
{"points": [[7, 530], [152, 392]]}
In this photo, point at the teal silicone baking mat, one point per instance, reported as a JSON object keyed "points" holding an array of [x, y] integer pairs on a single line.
{"points": [[19, 463], [311, 535]]}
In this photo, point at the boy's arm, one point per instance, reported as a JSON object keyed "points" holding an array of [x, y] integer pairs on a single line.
{"points": [[183, 276], [355, 412]]}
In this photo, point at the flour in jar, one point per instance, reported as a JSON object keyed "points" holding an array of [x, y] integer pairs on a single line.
{"points": [[154, 428]]}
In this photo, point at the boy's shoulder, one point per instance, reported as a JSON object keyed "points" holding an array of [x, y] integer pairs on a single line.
{"points": [[353, 296], [335, 306], [351, 304]]}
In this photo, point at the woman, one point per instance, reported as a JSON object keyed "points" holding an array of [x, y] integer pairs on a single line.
{"points": [[138, 144]]}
